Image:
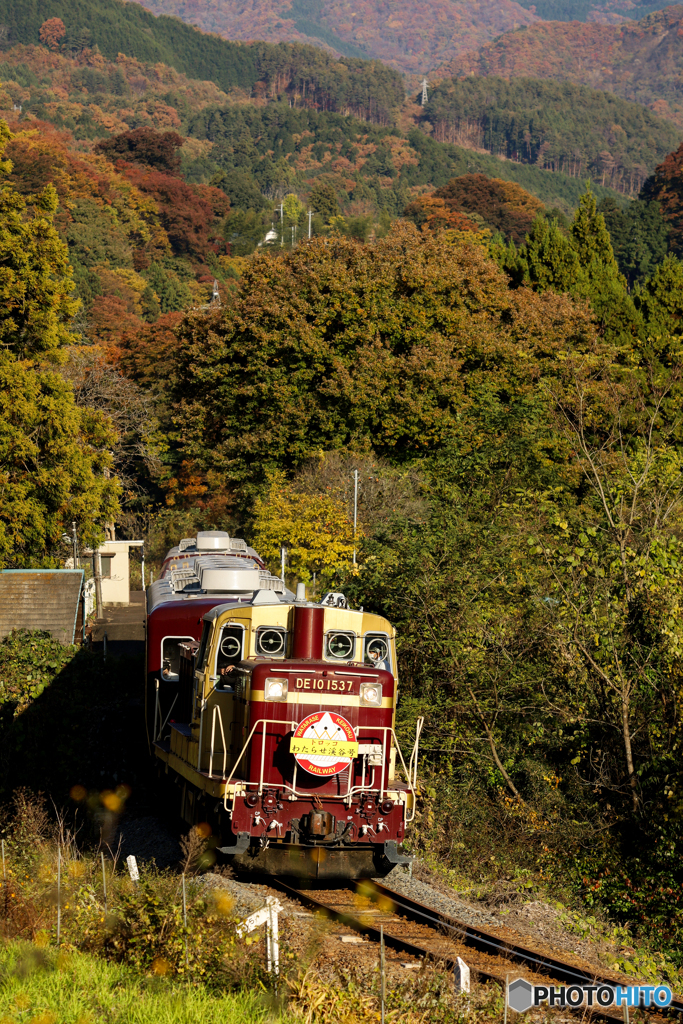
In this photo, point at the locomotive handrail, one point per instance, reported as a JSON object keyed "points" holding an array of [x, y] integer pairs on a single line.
{"points": [[292, 789], [216, 708], [157, 712], [359, 789], [412, 767], [259, 721], [410, 784], [350, 790]]}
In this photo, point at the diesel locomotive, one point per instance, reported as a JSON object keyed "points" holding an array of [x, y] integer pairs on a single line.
{"points": [[272, 717]]}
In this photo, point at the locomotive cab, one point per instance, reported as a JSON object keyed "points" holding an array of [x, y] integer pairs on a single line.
{"points": [[286, 741]]}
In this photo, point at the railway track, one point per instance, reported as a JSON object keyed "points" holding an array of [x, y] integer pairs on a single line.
{"points": [[422, 933]]}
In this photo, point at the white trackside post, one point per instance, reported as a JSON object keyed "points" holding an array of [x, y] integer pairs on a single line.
{"points": [[267, 915], [274, 933]]}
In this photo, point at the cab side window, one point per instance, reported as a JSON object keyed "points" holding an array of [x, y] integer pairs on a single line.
{"points": [[376, 651], [230, 648], [170, 656]]}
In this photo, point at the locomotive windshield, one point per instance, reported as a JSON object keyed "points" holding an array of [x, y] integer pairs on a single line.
{"points": [[341, 646]]}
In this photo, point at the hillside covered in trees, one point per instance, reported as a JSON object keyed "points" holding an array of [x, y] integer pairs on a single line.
{"points": [[253, 149], [578, 131], [515, 412], [390, 33], [393, 35], [365, 89], [640, 61]]}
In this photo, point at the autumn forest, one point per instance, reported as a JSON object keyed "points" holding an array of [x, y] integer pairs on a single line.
{"points": [[235, 272]]}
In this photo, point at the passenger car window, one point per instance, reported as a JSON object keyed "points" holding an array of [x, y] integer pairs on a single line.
{"points": [[170, 656]]}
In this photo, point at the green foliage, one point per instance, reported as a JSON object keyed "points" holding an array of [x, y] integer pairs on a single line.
{"points": [[550, 259], [147, 931], [336, 345], [639, 235], [168, 293], [323, 200], [28, 663], [245, 229], [53, 458], [438, 162], [582, 264], [35, 284], [600, 280], [570, 128], [660, 301]]}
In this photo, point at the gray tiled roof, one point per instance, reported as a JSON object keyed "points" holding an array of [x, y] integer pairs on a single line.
{"points": [[40, 599]]}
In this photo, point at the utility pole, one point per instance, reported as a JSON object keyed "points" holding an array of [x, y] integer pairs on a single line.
{"points": [[425, 97], [74, 541], [310, 214], [282, 224], [355, 511], [283, 555], [97, 573]]}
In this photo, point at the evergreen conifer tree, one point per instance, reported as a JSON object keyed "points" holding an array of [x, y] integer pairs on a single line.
{"points": [[660, 299], [549, 259], [600, 280]]}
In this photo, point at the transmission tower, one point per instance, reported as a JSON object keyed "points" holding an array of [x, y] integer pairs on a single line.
{"points": [[424, 92]]}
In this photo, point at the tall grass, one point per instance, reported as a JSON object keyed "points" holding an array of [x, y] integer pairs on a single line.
{"points": [[48, 987]]}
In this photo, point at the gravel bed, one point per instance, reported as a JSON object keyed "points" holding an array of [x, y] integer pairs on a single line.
{"points": [[148, 839], [251, 896], [400, 881]]}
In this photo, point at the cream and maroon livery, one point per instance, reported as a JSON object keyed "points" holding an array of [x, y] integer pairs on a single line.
{"points": [[288, 746]]}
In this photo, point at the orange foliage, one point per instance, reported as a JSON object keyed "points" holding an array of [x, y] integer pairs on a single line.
{"points": [[192, 488], [142, 354], [109, 318], [466, 202], [390, 32], [51, 31], [432, 214]]}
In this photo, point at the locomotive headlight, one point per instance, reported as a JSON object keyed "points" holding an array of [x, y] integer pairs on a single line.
{"points": [[371, 694], [276, 688]]}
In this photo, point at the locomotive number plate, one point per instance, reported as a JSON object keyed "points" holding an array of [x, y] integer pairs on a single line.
{"points": [[326, 685]]}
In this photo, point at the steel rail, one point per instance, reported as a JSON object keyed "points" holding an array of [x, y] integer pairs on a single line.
{"points": [[468, 935]]}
